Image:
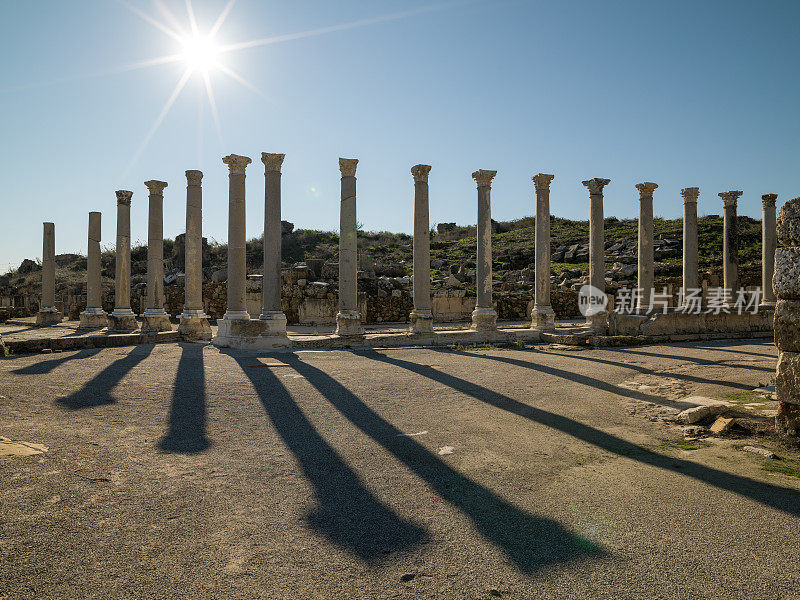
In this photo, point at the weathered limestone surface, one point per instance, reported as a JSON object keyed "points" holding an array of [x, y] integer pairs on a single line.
{"points": [[193, 320], [421, 318], [542, 315], [788, 223], [348, 320], [786, 279], [484, 317], [93, 317], [730, 241], [123, 319], [674, 323], [597, 267], [645, 252], [768, 244], [690, 252], [271, 314], [155, 318], [787, 325], [48, 313]]}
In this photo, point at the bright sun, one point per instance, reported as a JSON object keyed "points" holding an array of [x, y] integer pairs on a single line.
{"points": [[200, 53]]}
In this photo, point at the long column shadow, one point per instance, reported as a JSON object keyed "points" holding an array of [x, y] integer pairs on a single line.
{"points": [[699, 361], [45, 366], [97, 391], [347, 512], [530, 542], [725, 348], [187, 416], [779, 498]]}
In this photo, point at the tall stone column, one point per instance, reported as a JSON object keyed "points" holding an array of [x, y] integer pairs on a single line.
{"points": [[730, 242], [348, 319], [542, 315], [122, 318], [484, 317], [48, 314], [155, 318], [422, 316], [194, 321], [597, 242], [272, 313], [786, 285], [94, 317], [690, 259], [645, 252], [768, 245]]}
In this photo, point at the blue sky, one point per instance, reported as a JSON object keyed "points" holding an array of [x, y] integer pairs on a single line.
{"points": [[683, 93]]}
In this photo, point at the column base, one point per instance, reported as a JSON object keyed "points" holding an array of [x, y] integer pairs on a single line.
{"points": [[348, 323], [194, 326], [122, 320], [543, 318], [253, 334], [598, 322], [484, 319], [274, 321], [155, 322], [48, 316], [421, 321], [93, 318]]}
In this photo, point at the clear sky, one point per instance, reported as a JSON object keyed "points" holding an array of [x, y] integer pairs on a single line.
{"points": [[682, 93]]}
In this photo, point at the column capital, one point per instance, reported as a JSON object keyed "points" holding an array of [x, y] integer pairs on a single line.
{"points": [[690, 194], [272, 162], [156, 188], [124, 197], [347, 166], [596, 185], [236, 164], [420, 173], [730, 198], [768, 200], [484, 177], [194, 177], [541, 181], [646, 189]]}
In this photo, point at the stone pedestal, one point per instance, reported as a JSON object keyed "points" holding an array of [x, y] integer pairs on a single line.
{"points": [[421, 318], [93, 317], [730, 243], [690, 258], [48, 314], [597, 241], [155, 318], [348, 319], [542, 315], [272, 315], [484, 317], [768, 246], [193, 320], [123, 319], [645, 252]]}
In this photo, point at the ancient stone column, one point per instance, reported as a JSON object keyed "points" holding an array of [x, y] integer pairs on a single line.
{"points": [[348, 319], [730, 243], [155, 318], [484, 317], [421, 317], [768, 245], [786, 285], [237, 248], [122, 318], [194, 321], [94, 317], [690, 260], [542, 315], [48, 314], [645, 253], [272, 313], [597, 241]]}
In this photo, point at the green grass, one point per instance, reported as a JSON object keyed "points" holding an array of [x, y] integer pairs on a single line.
{"points": [[776, 466], [686, 445], [744, 397]]}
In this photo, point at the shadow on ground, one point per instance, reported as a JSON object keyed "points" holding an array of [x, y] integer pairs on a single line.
{"points": [[187, 414]]}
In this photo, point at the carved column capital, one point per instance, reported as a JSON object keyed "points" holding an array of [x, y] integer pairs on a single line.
{"points": [[420, 173], [541, 181], [194, 177], [484, 177], [347, 166], [730, 198], [768, 200], [236, 164], [690, 194], [272, 162], [596, 185], [156, 188], [646, 189], [124, 197]]}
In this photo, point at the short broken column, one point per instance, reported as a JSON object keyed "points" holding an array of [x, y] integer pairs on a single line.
{"points": [[730, 244], [348, 319], [272, 313], [645, 251], [786, 285], [690, 254], [768, 245], [596, 317], [421, 317], [484, 317], [194, 321], [93, 317], [236, 312], [542, 315], [155, 318], [122, 319], [48, 313]]}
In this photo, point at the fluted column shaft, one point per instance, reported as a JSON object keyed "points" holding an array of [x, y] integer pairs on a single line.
{"points": [[769, 242], [122, 297], [484, 315], [645, 251], [155, 249], [237, 248], [597, 241], [422, 316], [690, 254], [542, 316], [730, 242]]}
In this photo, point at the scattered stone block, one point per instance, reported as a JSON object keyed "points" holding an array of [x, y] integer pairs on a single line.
{"points": [[761, 451], [722, 425], [699, 413]]}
